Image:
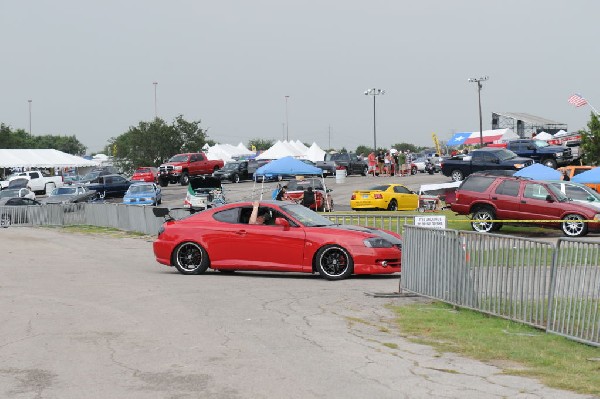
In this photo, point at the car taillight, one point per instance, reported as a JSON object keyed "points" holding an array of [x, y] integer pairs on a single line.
{"points": [[378, 196], [353, 197]]}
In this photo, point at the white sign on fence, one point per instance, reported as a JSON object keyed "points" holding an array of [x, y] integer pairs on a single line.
{"points": [[433, 221]]}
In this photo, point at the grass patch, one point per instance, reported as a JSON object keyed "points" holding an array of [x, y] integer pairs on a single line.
{"points": [[108, 231], [554, 360], [390, 345]]}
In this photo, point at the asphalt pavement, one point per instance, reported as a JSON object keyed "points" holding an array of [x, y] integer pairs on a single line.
{"points": [[94, 316]]}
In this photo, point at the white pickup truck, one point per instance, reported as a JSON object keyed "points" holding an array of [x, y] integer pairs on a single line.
{"points": [[38, 182]]}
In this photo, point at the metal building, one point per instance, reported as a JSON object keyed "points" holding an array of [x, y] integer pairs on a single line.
{"points": [[525, 124]]}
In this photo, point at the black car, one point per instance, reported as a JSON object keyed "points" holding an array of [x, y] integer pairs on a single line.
{"points": [[110, 186], [234, 172]]}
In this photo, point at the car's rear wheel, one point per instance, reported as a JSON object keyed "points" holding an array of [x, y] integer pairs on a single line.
{"points": [[365, 171], [393, 205], [483, 220], [190, 258], [457, 175], [5, 221], [235, 178], [574, 226], [334, 262], [413, 170], [185, 179]]}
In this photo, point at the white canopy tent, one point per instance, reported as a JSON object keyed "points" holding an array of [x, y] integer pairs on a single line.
{"points": [[279, 150], [314, 153], [544, 136], [41, 158]]}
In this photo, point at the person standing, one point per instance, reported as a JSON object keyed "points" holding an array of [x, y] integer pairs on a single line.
{"points": [[380, 162], [372, 162]]}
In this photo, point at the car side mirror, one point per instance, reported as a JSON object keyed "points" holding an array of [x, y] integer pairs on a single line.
{"points": [[549, 198], [283, 223]]}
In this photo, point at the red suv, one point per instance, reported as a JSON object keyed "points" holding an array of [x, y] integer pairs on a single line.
{"points": [[495, 200], [145, 173]]}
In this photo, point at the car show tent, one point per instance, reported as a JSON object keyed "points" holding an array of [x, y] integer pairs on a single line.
{"points": [[288, 166], [314, 153], [537, 171], [280, 150], [41, 158], [591, 176]]}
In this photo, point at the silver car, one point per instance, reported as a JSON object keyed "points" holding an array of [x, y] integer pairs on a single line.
{"points": [[578, 192]]}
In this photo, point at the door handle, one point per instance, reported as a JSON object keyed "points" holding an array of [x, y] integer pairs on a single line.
{"points": [[241, 232], [523, 202], [494, 198]]}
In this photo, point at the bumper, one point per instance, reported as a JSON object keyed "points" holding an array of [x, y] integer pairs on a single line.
{"points": [[369, 204], [162, 252], [376, 260]]}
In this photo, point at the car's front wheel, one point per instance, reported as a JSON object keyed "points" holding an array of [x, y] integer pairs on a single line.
{"points": [[365, 171], [483, 220], [185, 179], [334, 262], [574, 226], [549, 162], [190, 258]]}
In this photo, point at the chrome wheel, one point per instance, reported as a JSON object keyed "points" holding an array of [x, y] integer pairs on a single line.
{"points": [[190, 258], [457, 175], [574, 226], [484, 217], [334, 262]]}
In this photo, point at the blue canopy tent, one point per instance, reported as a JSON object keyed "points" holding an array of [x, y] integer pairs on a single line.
{"points": [[591, 176], [537, 171], [287, 166]]}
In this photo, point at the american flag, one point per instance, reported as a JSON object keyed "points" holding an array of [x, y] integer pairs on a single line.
{"points": [[577, 100]]}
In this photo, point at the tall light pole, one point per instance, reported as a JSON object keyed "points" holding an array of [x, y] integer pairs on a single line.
{"points": [[374, 92], [479, 86], [155, 107], [29, 101], [287, 125]]}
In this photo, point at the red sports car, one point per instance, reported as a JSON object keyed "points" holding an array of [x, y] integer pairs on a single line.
{"points": [[145, 173], [292, 239]]}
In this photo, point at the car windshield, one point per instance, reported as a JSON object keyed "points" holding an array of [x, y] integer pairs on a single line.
{"points": [[231, 166], [9, 193], [379, 188], [178, 158], [306, 216], [541, 143], [505, 154], [301, 185], [143, 170], [64, 191], [139, 189], [336, 157], [91, 176]]}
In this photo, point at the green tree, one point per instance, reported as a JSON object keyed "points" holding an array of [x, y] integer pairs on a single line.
{"points": [[260, 144], [21, 139], [405, 147], [590, 141], [151, 143], [363, 149]]}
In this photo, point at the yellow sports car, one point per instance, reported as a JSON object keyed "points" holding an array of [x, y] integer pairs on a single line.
{"points": [[393, 197]]}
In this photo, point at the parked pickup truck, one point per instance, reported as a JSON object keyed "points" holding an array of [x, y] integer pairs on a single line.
{"points": [[39, 182], [181, 167], [237, 171], [348, 161], [541, 152], [489, 158]]}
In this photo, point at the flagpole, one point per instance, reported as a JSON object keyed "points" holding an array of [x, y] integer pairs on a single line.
{"points": [[593, 109]]}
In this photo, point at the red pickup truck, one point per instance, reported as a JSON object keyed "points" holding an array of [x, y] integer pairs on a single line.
{"points": [[179, 168]]}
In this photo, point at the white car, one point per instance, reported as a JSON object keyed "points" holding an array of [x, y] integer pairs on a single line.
{"points": [[578, 192], [22, 192]]}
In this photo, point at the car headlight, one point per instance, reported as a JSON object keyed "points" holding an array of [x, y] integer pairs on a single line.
{"points": [[177, 167], [377, 242], [519, 165], [559, 154]]}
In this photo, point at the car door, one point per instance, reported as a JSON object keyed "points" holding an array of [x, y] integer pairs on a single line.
{"points": [[406, 199], [506, 198], [268, 246], [533, 204]]}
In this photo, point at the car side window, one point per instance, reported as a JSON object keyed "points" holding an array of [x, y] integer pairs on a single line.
{"points": [[401, 190], [199, 157], [118, 179], [508, 187], [477, 183], [535, 191], [229, 216], [108, 180]]}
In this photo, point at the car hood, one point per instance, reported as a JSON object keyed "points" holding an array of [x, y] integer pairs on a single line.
{"points": [[57, 199], [553, 148], [368, 231]]}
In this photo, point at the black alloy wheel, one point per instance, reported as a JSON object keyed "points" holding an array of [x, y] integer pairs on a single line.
{"points": [[334, 262], [190, 258]]}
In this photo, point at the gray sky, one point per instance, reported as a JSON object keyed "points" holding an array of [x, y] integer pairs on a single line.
{"points": [[89, 66]]}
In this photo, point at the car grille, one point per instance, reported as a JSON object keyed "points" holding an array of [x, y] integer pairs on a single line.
{"points": [[529, 163], [567, 152], [166, 169]]}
